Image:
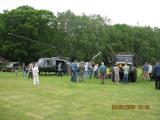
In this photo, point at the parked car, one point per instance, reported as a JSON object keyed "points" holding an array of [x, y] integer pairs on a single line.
{"points": [[11, 66]]}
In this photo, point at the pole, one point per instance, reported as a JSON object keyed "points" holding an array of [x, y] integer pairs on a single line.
{"points": [[95, 56]]}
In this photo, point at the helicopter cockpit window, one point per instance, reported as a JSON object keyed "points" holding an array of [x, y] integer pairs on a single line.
{"points": [[40, 61]]}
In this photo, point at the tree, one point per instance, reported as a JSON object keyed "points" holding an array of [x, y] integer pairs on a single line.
{"points": [[26, 21]]}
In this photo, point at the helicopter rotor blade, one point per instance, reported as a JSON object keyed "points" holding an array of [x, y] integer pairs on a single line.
{"points": [[28, 39]]}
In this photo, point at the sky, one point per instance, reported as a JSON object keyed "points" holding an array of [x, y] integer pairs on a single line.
{"points": [[131, 12]]}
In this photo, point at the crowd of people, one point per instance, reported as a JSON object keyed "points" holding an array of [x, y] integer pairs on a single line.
{"points": [[119, 73], [80, 71]]}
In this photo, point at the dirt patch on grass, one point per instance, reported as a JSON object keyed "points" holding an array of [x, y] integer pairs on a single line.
{"points": [[35, 116]]}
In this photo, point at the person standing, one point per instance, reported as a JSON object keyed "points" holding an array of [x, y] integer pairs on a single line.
{"points": [[30, 74], [102, 69], [145, 71], [121, 72], [86, 70], [157, 76], [150, 71], [73, 70], [24, 70], [81, 71], [90, 70], [126, 72], [16, 70], [59, 69], [108, 72], [116, 74], [35, 75], [95, 69]]}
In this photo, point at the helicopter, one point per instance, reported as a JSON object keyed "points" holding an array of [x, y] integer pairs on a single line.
{"points": [[51, 64], [47, 65]]}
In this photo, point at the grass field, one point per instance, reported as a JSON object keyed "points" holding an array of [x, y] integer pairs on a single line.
{"points": [[59, 99]]}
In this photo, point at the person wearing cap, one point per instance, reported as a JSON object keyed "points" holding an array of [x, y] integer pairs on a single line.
{"points": [[102, 69]]}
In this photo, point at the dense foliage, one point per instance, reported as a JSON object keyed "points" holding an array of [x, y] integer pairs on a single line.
{"points": [[77, 37]]}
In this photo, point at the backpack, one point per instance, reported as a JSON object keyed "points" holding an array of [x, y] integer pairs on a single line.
{"points": [[145, 68], [102, 69]]}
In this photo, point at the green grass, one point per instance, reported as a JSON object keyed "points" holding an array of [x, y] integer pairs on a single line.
{"points": [[59, 99]]}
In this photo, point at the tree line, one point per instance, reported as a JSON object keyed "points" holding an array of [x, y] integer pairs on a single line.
{"points": [[78, 37]]}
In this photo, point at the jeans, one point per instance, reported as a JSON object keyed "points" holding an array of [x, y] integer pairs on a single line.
{"points": [[85, 74], [24, 74], [74, 76], [95, 74], [59, 73], [125, 79], [90, 73]]}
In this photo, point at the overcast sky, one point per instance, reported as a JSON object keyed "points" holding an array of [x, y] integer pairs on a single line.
{"points": [[131, 12]]}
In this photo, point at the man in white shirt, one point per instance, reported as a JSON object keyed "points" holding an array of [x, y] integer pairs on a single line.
{"points": [[150, 71], [86, 70], [35, 75]]}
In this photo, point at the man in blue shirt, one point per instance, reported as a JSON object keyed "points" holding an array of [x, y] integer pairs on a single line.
{"points": [[157, 76], [102, 69], [74, 70]]}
